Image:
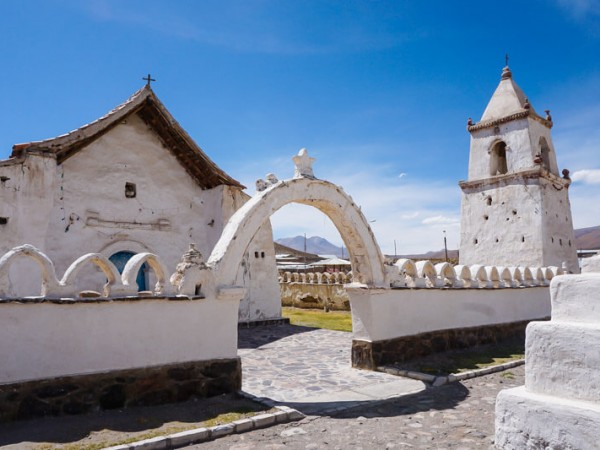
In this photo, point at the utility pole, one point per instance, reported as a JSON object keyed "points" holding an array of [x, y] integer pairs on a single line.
{"points": [[445, 246]]}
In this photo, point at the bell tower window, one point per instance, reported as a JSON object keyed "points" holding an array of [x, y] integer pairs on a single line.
{"points": [[545, 154], [498, 164]]}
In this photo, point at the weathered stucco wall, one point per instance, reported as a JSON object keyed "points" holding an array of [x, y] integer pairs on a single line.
{"points": [[321, 296], [53, 339], [381, 314], [80, 207]]}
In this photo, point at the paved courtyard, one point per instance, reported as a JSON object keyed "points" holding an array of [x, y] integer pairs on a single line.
{"points": [[456, 416], [309, 369]]}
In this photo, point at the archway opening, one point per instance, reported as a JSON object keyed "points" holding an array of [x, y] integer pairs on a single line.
{"points": [[312, 264], [498, 164]]}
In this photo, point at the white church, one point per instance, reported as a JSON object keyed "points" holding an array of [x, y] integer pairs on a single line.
{"points": [[133, 181]]}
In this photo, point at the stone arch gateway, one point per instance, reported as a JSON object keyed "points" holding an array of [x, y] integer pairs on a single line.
{"points": [[365, 255]]}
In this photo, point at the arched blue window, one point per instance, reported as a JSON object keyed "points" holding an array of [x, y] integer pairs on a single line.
{"points": [[120, 259]]}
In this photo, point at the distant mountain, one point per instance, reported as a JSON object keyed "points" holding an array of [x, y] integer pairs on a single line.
{"points": [[585, 238], [588, 238], [315, 245]]}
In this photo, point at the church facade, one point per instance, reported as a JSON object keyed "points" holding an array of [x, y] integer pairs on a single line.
{"points": [[132, 181], [515, 206]]}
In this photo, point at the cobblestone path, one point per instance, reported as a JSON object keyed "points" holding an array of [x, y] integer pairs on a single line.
{"points": [[454, 416], [309, 369]]}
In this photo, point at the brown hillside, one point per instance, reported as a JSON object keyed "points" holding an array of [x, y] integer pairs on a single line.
{"points": [[588, 238]]}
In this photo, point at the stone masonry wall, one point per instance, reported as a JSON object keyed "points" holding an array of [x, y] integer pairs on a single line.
{"points": [[119, 389], [370, 355], [315, 296]]}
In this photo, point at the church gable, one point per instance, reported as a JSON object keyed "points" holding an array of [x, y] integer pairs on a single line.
{"points": [[146, 105]]}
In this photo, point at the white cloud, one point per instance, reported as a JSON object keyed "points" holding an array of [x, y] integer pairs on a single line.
{"points": [[440, 220], [586, 176]]}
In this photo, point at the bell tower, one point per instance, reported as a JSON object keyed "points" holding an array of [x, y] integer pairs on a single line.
{"points": [[515, 208]]}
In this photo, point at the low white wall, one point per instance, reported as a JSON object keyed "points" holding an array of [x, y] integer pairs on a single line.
{"points": [[380, 314], [45, 340]]}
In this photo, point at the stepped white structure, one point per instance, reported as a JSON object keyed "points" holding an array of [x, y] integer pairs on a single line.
{"points": [[559, 406]]}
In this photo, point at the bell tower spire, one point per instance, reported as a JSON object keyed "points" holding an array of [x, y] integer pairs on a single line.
{"points": [[515, 207]]}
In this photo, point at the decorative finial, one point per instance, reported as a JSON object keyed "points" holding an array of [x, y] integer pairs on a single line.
{"points": [[303, 164], [506, 58], [548, 116], [148, 80], [469, 122], [261, 185], [526, 105], [566, 173]]}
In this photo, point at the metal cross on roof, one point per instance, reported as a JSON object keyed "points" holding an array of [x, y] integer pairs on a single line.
{"points": [[148, 80], [506, 57]]}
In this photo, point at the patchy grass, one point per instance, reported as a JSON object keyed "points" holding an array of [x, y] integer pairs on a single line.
{"points": [[457, 361], [103, 429], [170, 428], [316, 318]]}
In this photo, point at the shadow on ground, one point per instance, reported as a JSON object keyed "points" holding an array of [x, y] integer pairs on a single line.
{"points": [[125, 423], [438, 398], [250, 338]]}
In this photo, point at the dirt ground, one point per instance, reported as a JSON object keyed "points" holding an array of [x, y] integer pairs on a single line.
{"points": [[106, 428]]}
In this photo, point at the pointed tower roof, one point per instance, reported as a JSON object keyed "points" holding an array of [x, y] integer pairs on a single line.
{"points": [[508, 103], [150, 109], [508, 99]]}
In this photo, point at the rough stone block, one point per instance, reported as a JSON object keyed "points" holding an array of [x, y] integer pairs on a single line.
{"points": [[576, 298], [243, 425], [263, 420], [188, 437], [222, 430], [157, 443], [526, 420], [562, 359]]}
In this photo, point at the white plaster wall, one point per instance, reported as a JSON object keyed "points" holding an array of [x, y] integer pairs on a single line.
{"points": [[518, 153], [512, 233], [26, 200], [55, 206], [50, 340], [557, 232], [379, 314]]}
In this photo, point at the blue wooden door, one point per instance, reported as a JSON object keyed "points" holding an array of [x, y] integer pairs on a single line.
{"points": [[119, 259]]}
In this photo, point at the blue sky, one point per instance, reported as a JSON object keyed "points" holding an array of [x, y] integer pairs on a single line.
{"points": [[378, 91]]}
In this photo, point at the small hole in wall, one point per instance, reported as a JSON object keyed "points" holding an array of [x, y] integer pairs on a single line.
{"points": [[514, 211], [262, 254], [198, 289], [475, 241], [569, 243], [130, 190], [522, 238], [508, 218], [486, 217], [552, 240], [3, 220], [497, 240], [560, 242], [489, 200], [256, 254]]}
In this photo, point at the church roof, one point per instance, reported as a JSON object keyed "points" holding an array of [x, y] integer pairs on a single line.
{"points": [[508, 103], [149, 108], [508, 99]]}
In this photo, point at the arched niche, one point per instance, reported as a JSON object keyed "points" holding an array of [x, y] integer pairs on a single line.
{"points": [[498, 162], [365, 255]]}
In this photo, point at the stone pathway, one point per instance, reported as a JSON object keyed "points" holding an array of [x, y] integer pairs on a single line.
{"points": [[458, 416], [309, 369]]}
